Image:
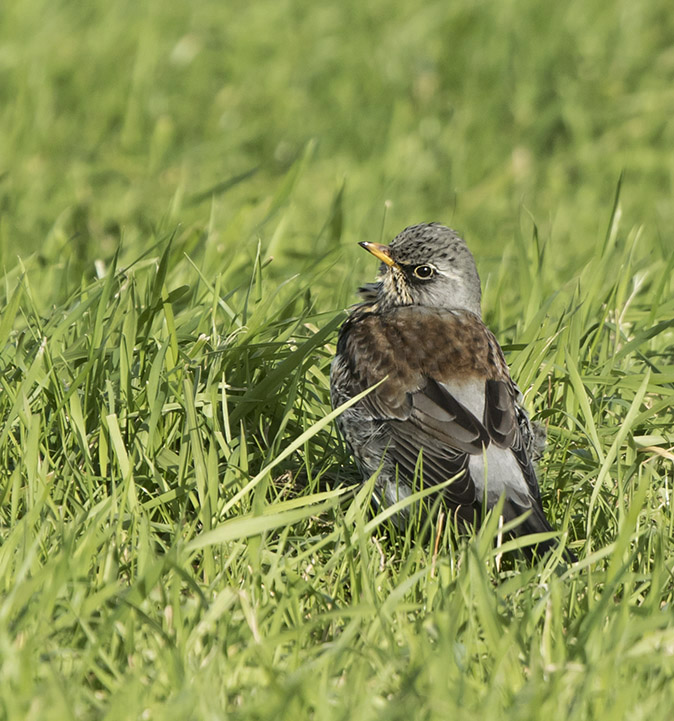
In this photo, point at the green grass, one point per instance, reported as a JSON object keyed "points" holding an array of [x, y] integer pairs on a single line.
{"points": [[181, 192]]}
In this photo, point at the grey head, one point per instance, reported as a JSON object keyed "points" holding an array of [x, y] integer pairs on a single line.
{"points": [[426, 264]]}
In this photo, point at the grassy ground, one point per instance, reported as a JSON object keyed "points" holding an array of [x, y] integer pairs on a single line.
{"points": [[182, 187]]}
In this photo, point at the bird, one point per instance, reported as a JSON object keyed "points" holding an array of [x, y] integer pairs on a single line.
{"points": [[445, 406]]}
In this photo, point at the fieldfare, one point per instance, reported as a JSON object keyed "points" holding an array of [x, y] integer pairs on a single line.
{"points": [[448, 406]]}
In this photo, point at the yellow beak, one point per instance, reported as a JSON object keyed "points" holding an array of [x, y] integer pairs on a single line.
{"points": [[379, 251]]}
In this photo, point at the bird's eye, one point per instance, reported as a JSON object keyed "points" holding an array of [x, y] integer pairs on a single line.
{"points": [[424, 271]]}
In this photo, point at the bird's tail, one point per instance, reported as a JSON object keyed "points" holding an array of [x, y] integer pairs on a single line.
{"points": [[536, 522]]}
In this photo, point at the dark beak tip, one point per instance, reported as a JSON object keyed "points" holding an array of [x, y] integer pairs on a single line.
{"points": [[379, 251]]}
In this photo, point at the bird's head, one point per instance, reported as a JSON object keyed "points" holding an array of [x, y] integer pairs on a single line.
{"points": [[429, 265]]}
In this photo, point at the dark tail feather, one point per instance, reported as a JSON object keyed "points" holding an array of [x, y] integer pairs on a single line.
{"points": [[536, 522]]}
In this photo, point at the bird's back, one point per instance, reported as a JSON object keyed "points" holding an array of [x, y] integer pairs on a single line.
{"points": [[447, 396]]}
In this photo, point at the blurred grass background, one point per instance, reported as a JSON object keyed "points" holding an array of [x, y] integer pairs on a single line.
{"points": [[117, 118], [163, 383]]}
